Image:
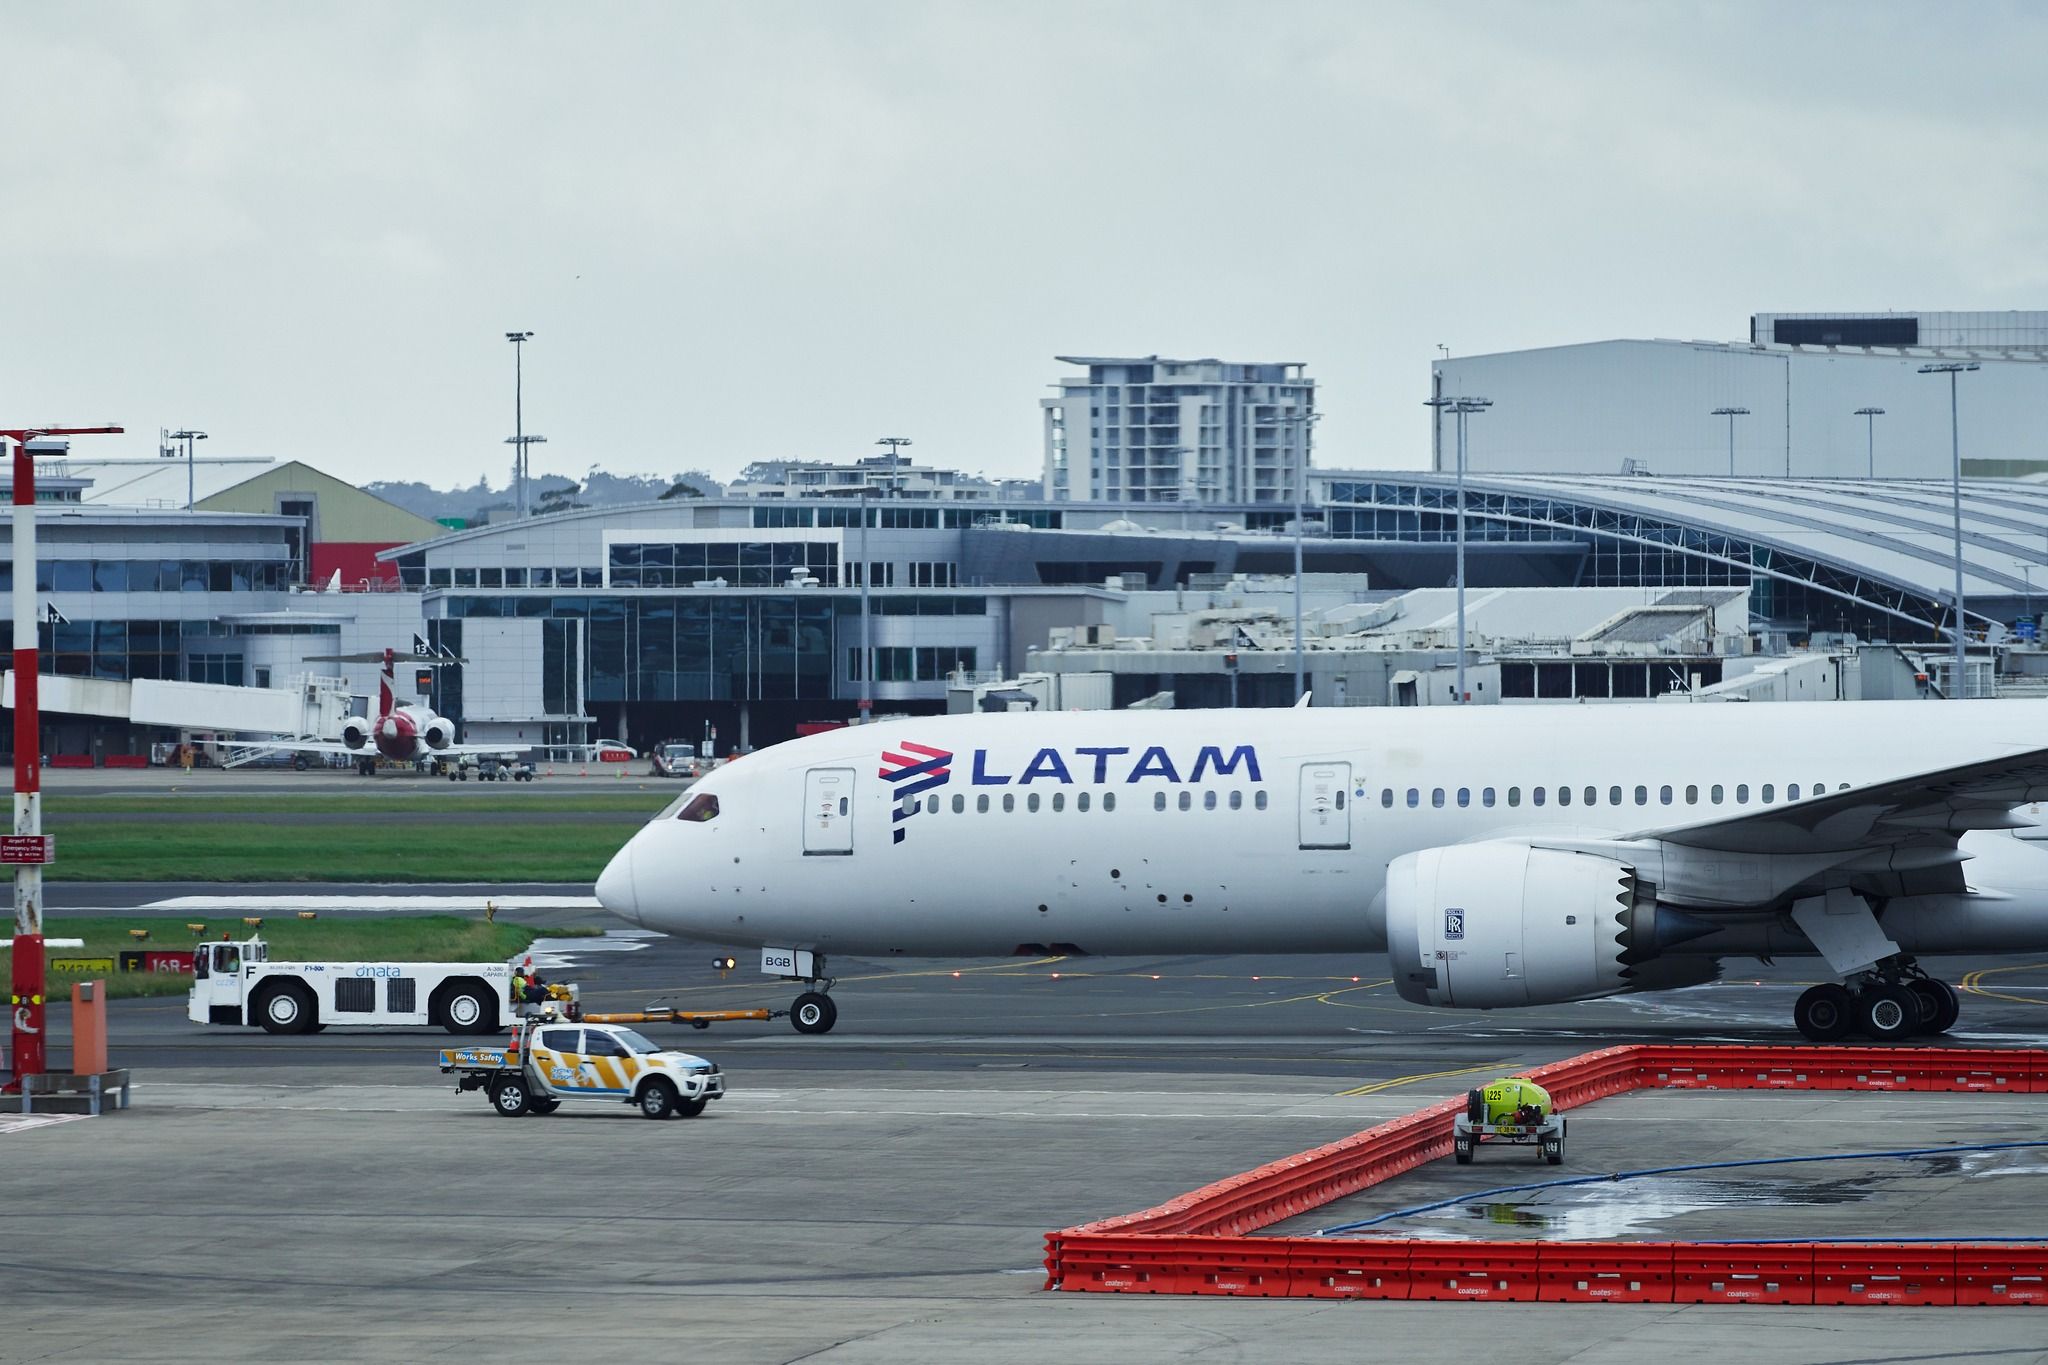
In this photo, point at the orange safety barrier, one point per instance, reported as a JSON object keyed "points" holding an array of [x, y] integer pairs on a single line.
{"points": [[1742, 1272], [1474, 1270], [1884, 1272], [1992, 1274], [1340, 1268], [1604, 1272], [1197, 1243]]}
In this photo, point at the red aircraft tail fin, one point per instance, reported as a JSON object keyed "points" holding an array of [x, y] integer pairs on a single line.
{"points": [[387, 685]]}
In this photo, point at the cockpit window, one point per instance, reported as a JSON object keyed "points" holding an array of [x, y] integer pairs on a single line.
{"points": [[699, 809]]}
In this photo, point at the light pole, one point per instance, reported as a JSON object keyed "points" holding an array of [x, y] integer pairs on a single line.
{"points": [[1306, 422], [867, 655], [1731, 414], [188, 437], [29, 851], [519, 440], [895, 444], [1870, 416], [1952, 368], [1461, 406]]}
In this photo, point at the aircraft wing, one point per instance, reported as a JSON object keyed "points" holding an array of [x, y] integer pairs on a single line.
{"points": [[1925, 809]]}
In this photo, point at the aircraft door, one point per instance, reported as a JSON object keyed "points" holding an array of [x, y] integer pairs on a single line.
{"points": [[1325, 805], [828, 812]]}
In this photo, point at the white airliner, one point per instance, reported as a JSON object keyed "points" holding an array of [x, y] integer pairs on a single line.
{"points": [[1501, 856]]}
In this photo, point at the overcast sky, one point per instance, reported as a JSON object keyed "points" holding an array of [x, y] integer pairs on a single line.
{"points": [[744, 231]]}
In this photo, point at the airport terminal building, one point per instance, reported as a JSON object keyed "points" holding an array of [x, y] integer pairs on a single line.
{"points": [[744, 615]]}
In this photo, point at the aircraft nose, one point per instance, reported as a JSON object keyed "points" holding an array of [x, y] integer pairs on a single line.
{"points": [[615, 889]]}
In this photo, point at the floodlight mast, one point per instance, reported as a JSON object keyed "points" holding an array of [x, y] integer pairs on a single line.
{"points": [[26, 1002]]}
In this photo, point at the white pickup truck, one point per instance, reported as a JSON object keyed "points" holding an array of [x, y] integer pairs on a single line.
{"points": [[237, 983], [551, 1060]]}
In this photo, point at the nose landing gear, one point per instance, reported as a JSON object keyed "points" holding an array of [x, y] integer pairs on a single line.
{"points": [[1893, 1001], [813, 1012]]}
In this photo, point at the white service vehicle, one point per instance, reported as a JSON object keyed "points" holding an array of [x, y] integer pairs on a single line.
{"points": [[237, 983]]}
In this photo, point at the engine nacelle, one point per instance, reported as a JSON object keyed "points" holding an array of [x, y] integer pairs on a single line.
{"points": [[355, 732], [439, 733], [1482, 926]]}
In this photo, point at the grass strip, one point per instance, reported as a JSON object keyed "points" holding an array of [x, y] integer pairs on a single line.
{"points": [[406, 807], [392, 938], [220, 850]]}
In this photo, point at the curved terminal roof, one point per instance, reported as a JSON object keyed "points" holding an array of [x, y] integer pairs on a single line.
{"points": [[1889, 544]]}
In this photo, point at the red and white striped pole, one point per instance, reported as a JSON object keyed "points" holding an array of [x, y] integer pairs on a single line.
{"points": [[27, 1002], [30, 1041]]}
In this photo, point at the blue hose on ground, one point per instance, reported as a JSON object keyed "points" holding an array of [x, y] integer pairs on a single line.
{"points": [[1900, 1154]]}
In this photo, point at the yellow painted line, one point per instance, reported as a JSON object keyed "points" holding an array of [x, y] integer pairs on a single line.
{"points": [[1376, 1086], [1973, 983]]}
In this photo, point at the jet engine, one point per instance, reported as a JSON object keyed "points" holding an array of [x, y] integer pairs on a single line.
{"points": [[355, 732], [439, 733], [1481, 926]]}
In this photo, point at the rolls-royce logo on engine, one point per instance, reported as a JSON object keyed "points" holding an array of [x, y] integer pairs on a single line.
{"points": [[1454, 926]]}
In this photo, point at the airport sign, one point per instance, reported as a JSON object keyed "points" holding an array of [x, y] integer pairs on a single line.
{"points": [[27, 849]]}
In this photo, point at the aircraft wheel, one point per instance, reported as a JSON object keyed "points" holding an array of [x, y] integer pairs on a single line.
{"points": [[813, 1012], [1888, 1014], [1824, 1013], [1939, 1004]]}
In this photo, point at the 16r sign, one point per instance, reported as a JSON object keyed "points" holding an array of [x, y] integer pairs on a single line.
{"points": [[18, 850]]}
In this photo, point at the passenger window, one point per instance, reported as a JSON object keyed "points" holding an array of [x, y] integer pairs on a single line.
{"points": [[1081, 801], [1742, 793], [981, 804], [959, 804], [931, 805], [1187, 801], [1414, 798], [698, 809], [1592, 796], [1768, 793], [1792, 792], [1486, 797], [1642, 796], [1564, 796], [842, 805], [1514, 796], [1664, 795], [1237, 800], [1341, 794], [561, 1039], [597, 1044], [1031, 803], [1436, 798], [1536, 795], [1259, 800], [1715, 794], [1209, 801], [1059, 802], [1464, 796], [1109, 801], [1009, 802], [1614, 796], [1387, 797], [1692, 795], [1158, 800]]}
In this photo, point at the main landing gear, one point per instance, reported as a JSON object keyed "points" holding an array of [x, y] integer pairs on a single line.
{"points": [[1892, 1001]]}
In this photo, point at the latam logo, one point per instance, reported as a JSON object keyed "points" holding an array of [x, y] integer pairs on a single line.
{"points": [[914, 769], [911, 774]]}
